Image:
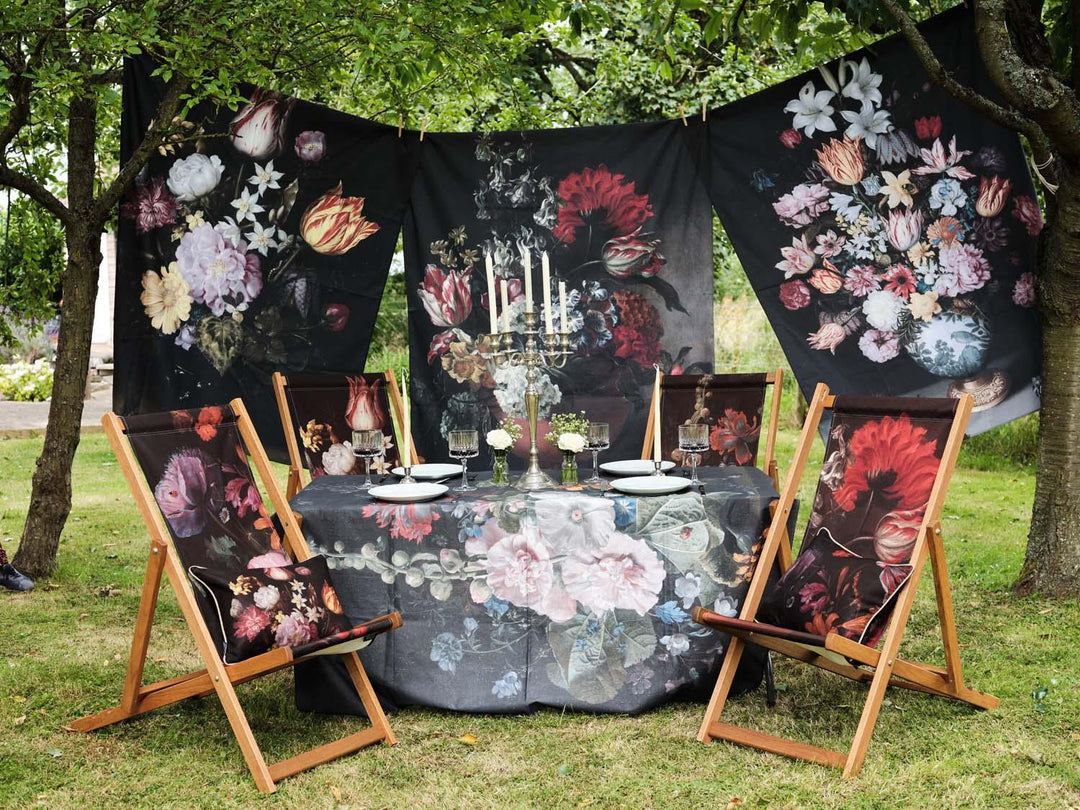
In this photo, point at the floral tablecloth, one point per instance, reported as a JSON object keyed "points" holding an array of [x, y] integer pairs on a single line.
{"points": [[566, 597]]}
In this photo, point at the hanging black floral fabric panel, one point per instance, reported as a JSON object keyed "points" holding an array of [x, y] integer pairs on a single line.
{"points": [[888, 230], [626, 224], [258, 241]]}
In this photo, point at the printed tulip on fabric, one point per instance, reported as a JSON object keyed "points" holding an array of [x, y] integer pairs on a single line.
{"points": [[893, 228], [241, 254]]}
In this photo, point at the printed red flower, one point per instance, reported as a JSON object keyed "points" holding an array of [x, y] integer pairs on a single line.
{"points": [[336, 316], [365, 410], [151, 206], [794, 295], [928, 127], [890, 458], [625, 256], [790, 138], [409, 522], [242, 495], [637, 334], [732, 434], [251, 623], [900, 281], [1027, 211], [598, 198], [207, 422], [446, 296]]}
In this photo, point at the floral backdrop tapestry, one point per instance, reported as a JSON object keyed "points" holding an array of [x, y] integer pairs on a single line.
{"points": [[627, 225], [888, 230], [258, 241]]}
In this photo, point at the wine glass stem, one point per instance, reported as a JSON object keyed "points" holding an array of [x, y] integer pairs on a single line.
{"points": [[464, 471], [693, 467], [367, 472], [595, 468]]}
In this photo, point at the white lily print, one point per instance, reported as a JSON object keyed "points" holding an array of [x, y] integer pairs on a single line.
{"points": [[265, 177], [867, 124], [813, 113], [845, 206], [864, 84], [937, 161], [898, 187], [262, 239], [247, 206]]}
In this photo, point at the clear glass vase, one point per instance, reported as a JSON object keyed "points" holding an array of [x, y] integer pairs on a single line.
{"points": [[569, 467], [500, 470]]}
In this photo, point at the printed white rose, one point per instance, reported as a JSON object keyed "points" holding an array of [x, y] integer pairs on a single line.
{"points": [[339, 459], [499, 439], [194, 176], [266, 597], [882, 310], [571, 442]]}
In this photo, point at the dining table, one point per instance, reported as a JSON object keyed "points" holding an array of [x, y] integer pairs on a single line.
{"points": [[576, 596]]}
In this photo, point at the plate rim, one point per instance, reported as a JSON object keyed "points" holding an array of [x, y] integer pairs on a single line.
{"points": [[636, 460], [684, 486], [442, 487]]}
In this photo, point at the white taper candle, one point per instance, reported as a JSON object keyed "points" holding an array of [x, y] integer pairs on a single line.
{"points": [[492, 303], [546, 273]]}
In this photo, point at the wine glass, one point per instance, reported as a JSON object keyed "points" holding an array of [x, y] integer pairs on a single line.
{"points": [[693, 439], [597, 438], [464, 444], [367, 444]]}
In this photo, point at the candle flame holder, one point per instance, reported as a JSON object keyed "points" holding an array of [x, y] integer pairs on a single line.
{"points": [[532, 350]]}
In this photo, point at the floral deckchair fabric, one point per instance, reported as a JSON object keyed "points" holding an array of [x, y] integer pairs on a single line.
{"points": [[873, 525], [326, 408], [250, 593], [731, 404], [880, 466], [250, 608]]}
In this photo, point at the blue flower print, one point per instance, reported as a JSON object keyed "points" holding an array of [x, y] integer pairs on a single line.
{"points": [[625, 512], [446, 651], [671, 613], [507, 686], [496, 608]]}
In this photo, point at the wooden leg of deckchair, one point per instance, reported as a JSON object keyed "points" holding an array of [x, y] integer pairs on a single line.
{"points": [[946, 618], [155, 564], [878, 685], [722, 688], [226, 693], [368, 697]]}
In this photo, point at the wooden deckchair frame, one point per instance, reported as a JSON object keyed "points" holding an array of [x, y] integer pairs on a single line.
{"points": [[768, 462], [297, 468], [138, 698], [839, 654]]}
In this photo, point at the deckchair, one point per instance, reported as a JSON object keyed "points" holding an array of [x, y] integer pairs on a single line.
{"points": [[212, 536], [873, 523], [320, 410], [733, 405]]}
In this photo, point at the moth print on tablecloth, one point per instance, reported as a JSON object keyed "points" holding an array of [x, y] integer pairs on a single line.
{"points": [[889, 232], [609, 588], [624, 241]]}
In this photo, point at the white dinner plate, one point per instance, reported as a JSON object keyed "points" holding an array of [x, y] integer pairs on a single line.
{"points": [[634, 466], [408, 493], [429, 472], [651, 484]]}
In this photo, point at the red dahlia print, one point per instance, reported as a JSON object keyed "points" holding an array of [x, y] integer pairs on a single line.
{"points": [[893, 459], [597, 198], [732, 435], [151, 206]]}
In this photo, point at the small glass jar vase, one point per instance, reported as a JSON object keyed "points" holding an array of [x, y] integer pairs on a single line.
{"points": [[500, 470], [569, 467]]}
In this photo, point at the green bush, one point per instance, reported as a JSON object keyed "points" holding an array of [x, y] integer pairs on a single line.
{"points": [[26, 382]]}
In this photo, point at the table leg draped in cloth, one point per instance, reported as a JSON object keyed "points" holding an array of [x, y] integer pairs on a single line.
{"points": [[553, 598]]}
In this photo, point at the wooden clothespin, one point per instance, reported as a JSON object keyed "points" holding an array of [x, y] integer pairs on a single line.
{"points": [[400, 123], [682, 114], [423, 129]]}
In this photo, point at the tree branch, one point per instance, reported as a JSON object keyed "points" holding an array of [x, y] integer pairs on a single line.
{"points": [[167, 110], [9, 178], [1037, 91], [1005, 116]]}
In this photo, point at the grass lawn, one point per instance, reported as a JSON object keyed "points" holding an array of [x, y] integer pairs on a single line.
{"points": [[63, 650]]}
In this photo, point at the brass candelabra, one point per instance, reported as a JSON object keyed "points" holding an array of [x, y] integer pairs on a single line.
{"points": [[533, 350]]}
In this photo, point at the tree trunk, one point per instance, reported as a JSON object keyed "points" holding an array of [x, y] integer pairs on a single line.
{"points": [[1052, 563], [50, 500]]}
